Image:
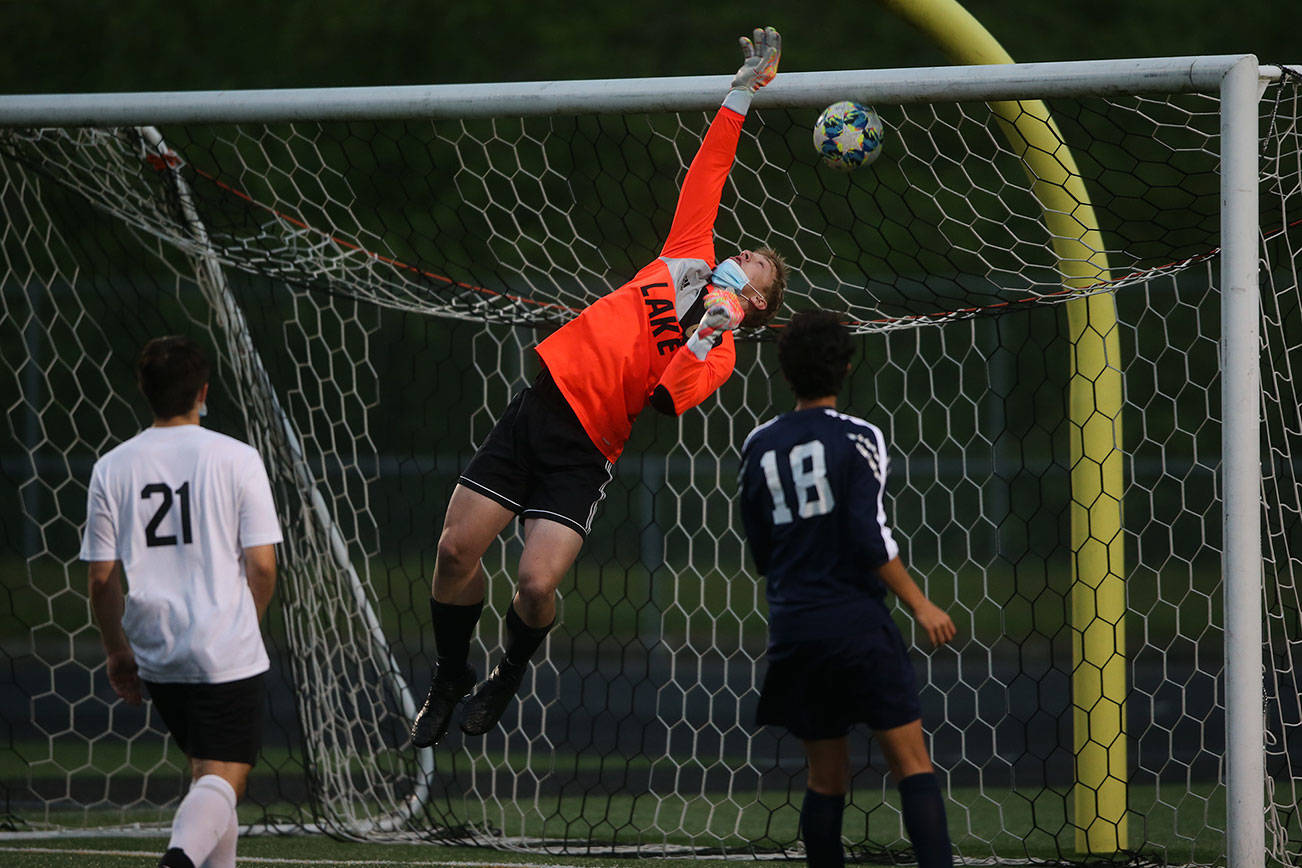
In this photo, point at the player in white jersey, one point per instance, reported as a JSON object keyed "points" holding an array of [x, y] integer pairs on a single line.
{"points": [[185, 515]]}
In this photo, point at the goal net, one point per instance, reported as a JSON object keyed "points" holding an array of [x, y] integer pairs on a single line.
{"points": [[1037, 293]]}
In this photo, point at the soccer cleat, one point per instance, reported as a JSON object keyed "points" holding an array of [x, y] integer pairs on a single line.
{"points": [[485, 708], [175, 858], [434, 716]]}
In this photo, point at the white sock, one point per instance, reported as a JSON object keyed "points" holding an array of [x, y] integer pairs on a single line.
{"points": [[223, 855], [204, 817]]}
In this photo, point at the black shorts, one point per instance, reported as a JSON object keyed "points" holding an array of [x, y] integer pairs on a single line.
{"points": [[214, 721], [819, 689], [538, 461]]}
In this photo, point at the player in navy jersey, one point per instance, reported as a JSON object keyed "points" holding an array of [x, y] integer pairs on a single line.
{"points": [[812, 503]]}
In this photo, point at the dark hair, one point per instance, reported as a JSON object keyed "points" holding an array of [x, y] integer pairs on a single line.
{"points": [[814, 351], [171, 371]]}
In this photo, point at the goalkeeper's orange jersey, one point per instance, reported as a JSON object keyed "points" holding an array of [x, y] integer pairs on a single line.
{"points": [[610, 359]]}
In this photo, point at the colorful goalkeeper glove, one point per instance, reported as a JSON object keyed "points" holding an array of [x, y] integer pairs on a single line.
{"points": [[710, 331], [760, 59], [730, 301], [759, 65]]}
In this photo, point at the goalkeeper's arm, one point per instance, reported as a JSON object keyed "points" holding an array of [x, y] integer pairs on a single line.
{"points": [[691, 235], [760, 57], [700, 366], [723, 312]]}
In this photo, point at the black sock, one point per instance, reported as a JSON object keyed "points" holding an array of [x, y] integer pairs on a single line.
{"points": [[820, 828], [453, 627], [521, 639], [924, 819], [175, 858]]}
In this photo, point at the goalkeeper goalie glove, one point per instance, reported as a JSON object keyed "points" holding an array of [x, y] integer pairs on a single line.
{"points": [[760, 57], [731, 303], [716, 321]]}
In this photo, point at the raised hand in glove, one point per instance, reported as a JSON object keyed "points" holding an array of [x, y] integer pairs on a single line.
{"points": [[760, 59]]}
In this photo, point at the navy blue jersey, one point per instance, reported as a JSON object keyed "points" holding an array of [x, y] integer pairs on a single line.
{"points": [[811, 501]]}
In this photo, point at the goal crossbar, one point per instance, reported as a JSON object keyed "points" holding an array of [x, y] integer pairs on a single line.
{"points": [[624, 95]]}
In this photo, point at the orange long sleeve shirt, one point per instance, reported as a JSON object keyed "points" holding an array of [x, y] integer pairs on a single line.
{"points": [[610, 359]]}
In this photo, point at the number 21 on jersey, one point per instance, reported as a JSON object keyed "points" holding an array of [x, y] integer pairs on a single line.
{"points": [[808, 471], [152, 537]]}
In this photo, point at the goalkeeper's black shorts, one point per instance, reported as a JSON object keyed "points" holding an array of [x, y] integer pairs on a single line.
{"points": [[538, 461], [220, 722], [820, 688]]}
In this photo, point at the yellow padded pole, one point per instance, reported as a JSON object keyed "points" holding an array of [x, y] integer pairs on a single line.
{"points": [[1098, 599]]}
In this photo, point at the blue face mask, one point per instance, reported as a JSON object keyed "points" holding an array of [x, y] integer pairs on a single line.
{"points": [[728, 275]]}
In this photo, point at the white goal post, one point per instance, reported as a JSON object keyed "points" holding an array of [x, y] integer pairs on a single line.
{"points": [[298, 209]]}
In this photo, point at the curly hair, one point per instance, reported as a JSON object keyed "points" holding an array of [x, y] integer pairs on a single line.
{"points": [[814, 351]]}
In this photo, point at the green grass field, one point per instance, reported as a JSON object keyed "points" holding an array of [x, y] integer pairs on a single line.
{"points": [[313, 850], [1003, 824], [990, 607], [317, 851]]}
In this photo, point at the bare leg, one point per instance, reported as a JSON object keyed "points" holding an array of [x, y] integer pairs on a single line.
{"points": [[550, 549], [235, 774], [829, 765], [471, 524], [905, 750]]}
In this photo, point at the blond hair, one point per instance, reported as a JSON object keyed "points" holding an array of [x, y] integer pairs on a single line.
{"points": [[773, 292]]}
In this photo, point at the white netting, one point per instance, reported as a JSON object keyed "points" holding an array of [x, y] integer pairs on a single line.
{"points": [[372, 291], [1282, 474]]}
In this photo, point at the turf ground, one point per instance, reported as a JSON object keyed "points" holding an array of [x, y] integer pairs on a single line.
{"points": [[288, 851], [1180, 823], [1181, 833]]}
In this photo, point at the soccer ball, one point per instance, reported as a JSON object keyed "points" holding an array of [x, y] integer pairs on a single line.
{"points": [[848, 135]]}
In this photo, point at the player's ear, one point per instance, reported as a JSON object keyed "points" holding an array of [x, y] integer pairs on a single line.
{"points": [[201, 397]]}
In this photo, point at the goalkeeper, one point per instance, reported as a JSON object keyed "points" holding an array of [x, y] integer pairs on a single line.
{"points": [[664, 339]]}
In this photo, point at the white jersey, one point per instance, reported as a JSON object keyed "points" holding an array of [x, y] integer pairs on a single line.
{"points": [[178, 505]]}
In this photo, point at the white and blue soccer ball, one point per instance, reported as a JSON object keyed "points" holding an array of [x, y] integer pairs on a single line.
{"points": [[848, 135]]}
